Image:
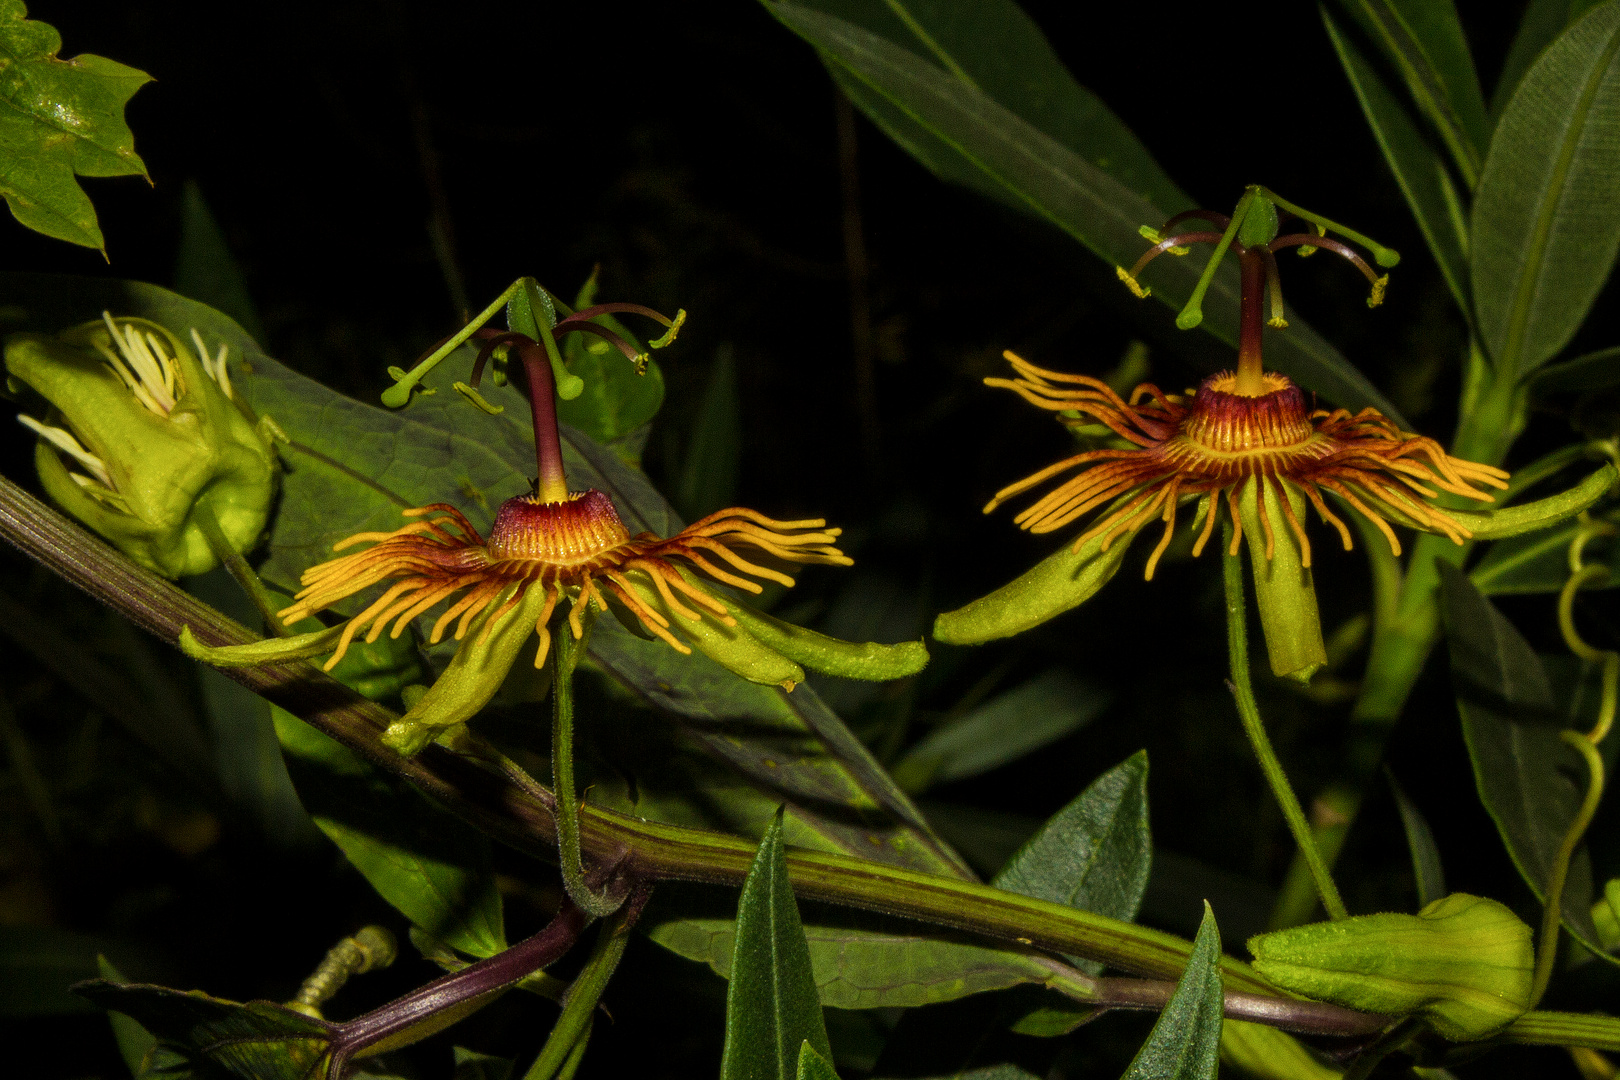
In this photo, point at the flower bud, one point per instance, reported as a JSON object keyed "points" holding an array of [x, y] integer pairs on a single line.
{"points": [[159, 450], [1464, 962]]}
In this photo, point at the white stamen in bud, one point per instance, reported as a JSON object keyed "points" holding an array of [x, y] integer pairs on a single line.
{"points": [[64, 441]]}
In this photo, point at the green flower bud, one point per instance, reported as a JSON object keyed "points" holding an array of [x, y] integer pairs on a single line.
{"points": [[146, 445], [1283, 588], [1464, 962]]}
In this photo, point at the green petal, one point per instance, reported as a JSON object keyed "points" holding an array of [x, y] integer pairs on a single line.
{"points": [[474, 675], [1063, 580], [733, 647], [276, 650], [853, 660]]}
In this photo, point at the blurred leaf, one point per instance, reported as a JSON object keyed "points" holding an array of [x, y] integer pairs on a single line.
{"points": [[1546, 218], [432, 867], [1264, 1053], [1424, 40], [1523, 769], [1185, 1041], [39, 963], [1095, 853], [986, 838], [708, 480], [771, 1004], [1543, 21], [351, 468], [61, 117], [1416, 165], [471, 1065], [1594, 371], [255, 1041], [812, 1066], [616, 401], [205, 270], [939, 116], [134, 1041], [1426, 869], [1041, 711], [1539, 562]]}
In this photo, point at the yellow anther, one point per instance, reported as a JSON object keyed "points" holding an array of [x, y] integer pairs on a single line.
{"points": [[1378, 288], [1132, 284]]}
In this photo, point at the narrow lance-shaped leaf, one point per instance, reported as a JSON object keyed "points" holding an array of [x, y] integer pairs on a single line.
{"points": [[1426, 869], [1043, 177], [1185, 1042], [58, 118], [1418, 168], [1546, 218], [771, 1004], [1543, 21]]}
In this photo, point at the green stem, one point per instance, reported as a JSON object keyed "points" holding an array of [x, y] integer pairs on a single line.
{"points": [[238, 568], [1237, 638], [564, 657], [565, 1045]]}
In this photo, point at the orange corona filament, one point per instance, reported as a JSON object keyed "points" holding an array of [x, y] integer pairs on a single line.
{"points": [[1209, 444], [579, 546]]}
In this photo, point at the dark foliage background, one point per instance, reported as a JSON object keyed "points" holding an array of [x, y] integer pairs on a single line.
{"points": [[691, 152]]}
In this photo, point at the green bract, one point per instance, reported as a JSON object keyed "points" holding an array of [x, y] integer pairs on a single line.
{"points": [[163, 454], [1464, 962]]}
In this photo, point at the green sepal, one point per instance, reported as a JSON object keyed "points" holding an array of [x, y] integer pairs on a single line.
{"points": [[274, 650], [1466, 963], [1063, 580], [849, 659], [204, 457], [1541, 514], [732, 647], [473, 676], [1283, 588]]}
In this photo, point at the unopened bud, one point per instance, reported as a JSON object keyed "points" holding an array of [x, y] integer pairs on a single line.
{"points": [[1464, 962]]}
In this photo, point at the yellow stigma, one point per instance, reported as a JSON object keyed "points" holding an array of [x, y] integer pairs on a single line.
{"points": [[1132, 284], [1378, 288]]}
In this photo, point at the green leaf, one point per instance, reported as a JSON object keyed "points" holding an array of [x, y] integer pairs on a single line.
{"points": [[1522, 768], [205, 270], [1095, 853], [433, 868], [985, 139], [1185, 1041], [1543, 21], [812, 1066], [1593, 371], [1546, 218], [1417, 167], [1009, 726], [1539, 562], [60, 117], [134, 1041], [1424, 40], [708, 480], [1426, 869], [471, 1065], [255, 1041], [39, 963], [771, 1004]]}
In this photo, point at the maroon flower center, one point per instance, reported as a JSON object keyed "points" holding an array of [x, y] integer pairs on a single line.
{"points": [[1224, 422], [558, 533]]}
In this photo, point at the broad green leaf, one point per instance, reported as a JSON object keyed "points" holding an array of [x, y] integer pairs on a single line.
{"points": [[865, 962], [1594, 371], [1424, 40], [58, 118], [1004, 729], [1041, 176], [252, 1041], [351, 467], [1543, 21], [1426, 869], [1095, 853], [1417, 166], [1185, 1041], [1539, 562], [1522, 768], [771, 1004], [1546, 217], [432, 867], [205, 270], [708, 480]]}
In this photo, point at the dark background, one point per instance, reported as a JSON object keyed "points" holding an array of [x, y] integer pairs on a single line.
{"points": [[690, 151]]}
